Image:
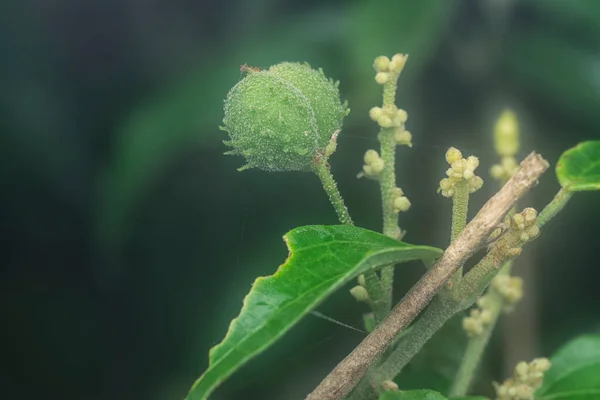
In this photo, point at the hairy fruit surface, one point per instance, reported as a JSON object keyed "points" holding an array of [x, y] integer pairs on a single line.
{"points": [[283, 118]]}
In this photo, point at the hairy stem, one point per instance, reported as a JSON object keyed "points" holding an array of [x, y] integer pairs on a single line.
{"points": [[387, 186], [373, 285], [330, 187], [441, 309], [460, 206], [477, 344], [344, 377], [554, 207], [435, 316]]}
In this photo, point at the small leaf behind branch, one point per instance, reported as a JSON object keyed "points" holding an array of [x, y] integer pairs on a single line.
{"points": [[579, 168], [321, 260]]}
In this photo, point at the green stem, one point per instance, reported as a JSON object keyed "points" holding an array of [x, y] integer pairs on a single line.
{"points": [[373, 285], [476, 345], [439, 311], [460, 206], [376, 294], [476, 277], [554, 207], [387, 186], [330, 187]]}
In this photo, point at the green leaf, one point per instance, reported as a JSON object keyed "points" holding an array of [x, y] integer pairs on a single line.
{"points": [[412, 395], [579, 168], [435, 365], [575, 371], [321, 260]]}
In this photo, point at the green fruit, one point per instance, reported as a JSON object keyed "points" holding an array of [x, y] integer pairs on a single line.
{"points": [[282, 118]]}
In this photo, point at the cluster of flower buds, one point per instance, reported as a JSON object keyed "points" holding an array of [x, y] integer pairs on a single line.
{"points": [[524, 223], [401, 202], [527, 378], [373, 165], [389, 69], [461, 170], [510, 288], [479, 318], [389, 116], [506, 142]]}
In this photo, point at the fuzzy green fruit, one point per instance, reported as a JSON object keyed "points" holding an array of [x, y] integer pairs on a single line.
{"points": [[282, 118]]}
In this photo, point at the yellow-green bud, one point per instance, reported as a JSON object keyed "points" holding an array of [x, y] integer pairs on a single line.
{"points": [[361, 280], [521, 370], [382, 77], [398, 62], [472, 163], [389, 386], [530, 214], [519, 221], [474, 184], [370, 156], [375, 113], [401, 115], [385, 121], [497, 172], [402, 137], [541, 364], [280, 119], [377, 166], [381, 64], [360, 294], [401, 204], [485, 316], [453, 155], [506, 134]]}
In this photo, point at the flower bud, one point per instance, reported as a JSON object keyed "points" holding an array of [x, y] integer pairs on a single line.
{"points": [[453, 155], [403, 137], [371, 156], [506, 134], [382, 77], [401, 204], [381, 64], [360, 294], [375, 113], [398, 62], [389, 386]]}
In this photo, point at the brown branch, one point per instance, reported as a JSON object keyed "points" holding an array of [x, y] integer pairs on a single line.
{"points": [[344, 377]]}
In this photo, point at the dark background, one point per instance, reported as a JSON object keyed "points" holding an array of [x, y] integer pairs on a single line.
{"points": [[129, 240]]}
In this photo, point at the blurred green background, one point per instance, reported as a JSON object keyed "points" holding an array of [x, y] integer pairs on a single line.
{"points": [[129, 240]]}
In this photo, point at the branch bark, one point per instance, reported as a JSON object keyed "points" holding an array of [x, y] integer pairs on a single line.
{"points": [[344, 377]]}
